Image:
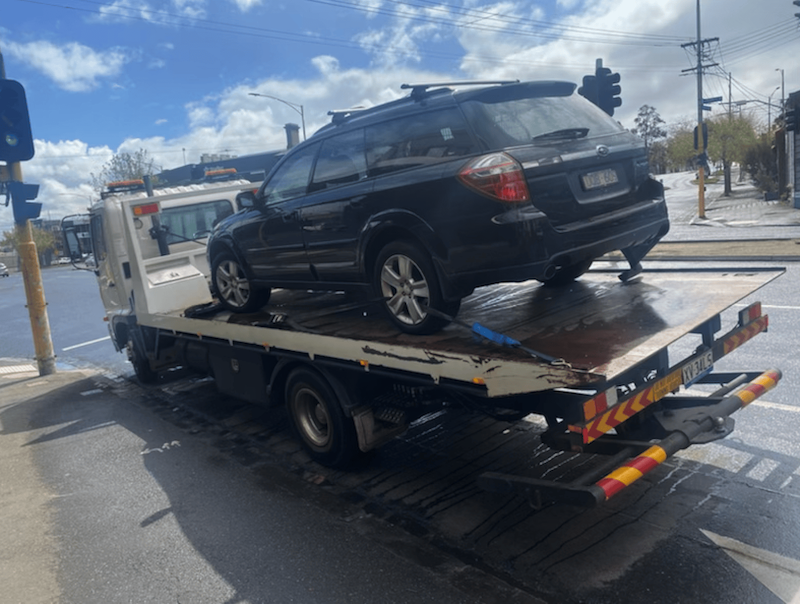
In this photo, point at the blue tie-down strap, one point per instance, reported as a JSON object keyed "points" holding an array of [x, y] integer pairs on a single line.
{"points": [[504, 340]]}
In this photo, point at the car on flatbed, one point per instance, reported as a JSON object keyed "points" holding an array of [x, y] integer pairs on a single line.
{"points": [[419, 201]]}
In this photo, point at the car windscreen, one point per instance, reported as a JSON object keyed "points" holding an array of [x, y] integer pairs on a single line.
{"points": [[506, 122]]}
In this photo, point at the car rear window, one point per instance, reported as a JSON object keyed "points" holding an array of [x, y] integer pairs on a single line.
{"points": [[417, 140], [501, 123]]}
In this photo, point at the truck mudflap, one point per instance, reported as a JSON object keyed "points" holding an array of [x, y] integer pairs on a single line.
{"points": [[687, 420]]}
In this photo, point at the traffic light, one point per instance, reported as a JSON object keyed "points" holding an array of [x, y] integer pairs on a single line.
{"points": [[16, 140], [790, 119], [20, 193], [608, 90], [589, 88]]}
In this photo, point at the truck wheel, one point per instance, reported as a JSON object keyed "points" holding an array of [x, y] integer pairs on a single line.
{"points": [[319, 420], [407, 281], [567, 274], [141, 366], [233, 287]]}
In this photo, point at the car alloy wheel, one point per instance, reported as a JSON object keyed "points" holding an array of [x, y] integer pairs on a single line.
{"points": [[233, 286], [406, 280]]}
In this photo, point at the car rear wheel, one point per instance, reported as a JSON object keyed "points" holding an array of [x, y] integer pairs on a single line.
{"points": [[234, 288], [406, 280]]}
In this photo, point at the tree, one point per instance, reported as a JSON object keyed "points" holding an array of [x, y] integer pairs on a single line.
{"points": [[729, 137], [45, 241], [759, 161], [649, 126], [125, 166], [680, 147]]}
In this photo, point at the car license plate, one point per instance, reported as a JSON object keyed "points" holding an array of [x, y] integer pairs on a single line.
{"points": [[601, 178], [693, 370]]}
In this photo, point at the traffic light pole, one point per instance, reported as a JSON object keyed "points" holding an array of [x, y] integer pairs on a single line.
{"points": [[32, 278]]}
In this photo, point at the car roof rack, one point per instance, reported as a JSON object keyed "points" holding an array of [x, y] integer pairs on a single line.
{"points": [[340, 115], [418, 90]]}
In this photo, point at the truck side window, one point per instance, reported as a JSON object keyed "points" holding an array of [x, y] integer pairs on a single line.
{"points": [[98, 239], [195, 220]]}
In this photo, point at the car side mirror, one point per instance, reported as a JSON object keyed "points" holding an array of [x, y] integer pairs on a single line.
{"points": [[246, 199]]}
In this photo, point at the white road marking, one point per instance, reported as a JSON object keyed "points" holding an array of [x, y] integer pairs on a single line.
{"points": [[779, 574], [86, 344], [719, 455], [763, 469]]}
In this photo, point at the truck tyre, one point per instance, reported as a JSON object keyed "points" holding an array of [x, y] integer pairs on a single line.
{"points": [[567, 274], [406, 280], [319, 420], [233, 286], [141, 366]]}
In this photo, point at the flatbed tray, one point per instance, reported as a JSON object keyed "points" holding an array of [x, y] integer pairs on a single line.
{"points": [[599, 326]]}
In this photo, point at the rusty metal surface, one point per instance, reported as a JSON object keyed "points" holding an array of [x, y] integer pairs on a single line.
{"points": [[597, 324]]}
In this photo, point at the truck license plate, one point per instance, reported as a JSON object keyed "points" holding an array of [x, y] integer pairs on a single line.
{"points": [[697, 368], [601, 178]]}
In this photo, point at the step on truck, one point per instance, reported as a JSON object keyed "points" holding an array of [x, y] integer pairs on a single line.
{"points": [[622, 371]]}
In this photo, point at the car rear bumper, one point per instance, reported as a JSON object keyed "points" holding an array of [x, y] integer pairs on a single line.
{"points": [[545, 249]]}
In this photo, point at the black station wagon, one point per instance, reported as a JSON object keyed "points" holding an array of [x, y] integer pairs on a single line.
{"points": [[421, 200]]}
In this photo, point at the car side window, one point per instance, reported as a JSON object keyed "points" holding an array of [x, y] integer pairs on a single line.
{"points": [[291, 179], [417, 140], [341, 160]]}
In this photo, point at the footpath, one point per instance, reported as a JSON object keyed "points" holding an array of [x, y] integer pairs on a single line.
{"points": [[741, 227]]}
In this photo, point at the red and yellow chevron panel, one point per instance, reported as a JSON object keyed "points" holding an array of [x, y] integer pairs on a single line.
{"points": [[595, 428], [750, 331], [632, 471]]}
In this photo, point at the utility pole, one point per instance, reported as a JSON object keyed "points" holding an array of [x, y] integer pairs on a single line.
{"points": [[702, 143], [31, 271]]}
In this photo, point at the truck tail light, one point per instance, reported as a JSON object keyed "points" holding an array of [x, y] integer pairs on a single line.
{"points": [[498, 176]]}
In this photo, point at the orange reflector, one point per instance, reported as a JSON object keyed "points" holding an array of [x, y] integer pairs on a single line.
{"points": [[478, 380], [148, 208]]}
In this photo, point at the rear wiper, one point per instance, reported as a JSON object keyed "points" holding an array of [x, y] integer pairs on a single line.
{"points": [[563, 133]]}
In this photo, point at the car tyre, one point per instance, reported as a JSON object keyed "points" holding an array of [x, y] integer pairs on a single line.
{"points": [[233, 286], [406, 280], [319, 420]]}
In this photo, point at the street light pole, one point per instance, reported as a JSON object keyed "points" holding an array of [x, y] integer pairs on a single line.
{"points": [[295, 106], [769, 108]]}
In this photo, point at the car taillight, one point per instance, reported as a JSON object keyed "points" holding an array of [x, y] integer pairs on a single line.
{"points": [[498, 176]]}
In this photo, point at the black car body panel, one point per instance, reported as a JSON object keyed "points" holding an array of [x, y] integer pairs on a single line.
{"points": [[505, 183]]}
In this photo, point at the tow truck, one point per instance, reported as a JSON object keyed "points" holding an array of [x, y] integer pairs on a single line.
{"points": [[622, 371]]}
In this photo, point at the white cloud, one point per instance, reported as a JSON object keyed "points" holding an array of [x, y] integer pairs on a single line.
{"points": [[246, 5], [170, 13], [73, 66], [399, 43]]}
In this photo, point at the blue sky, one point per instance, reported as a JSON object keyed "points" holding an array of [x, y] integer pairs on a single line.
{"points": [[174, 76]]}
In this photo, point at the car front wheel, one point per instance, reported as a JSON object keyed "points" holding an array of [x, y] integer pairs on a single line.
{"points": [[406, 280], [234, 288]]}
